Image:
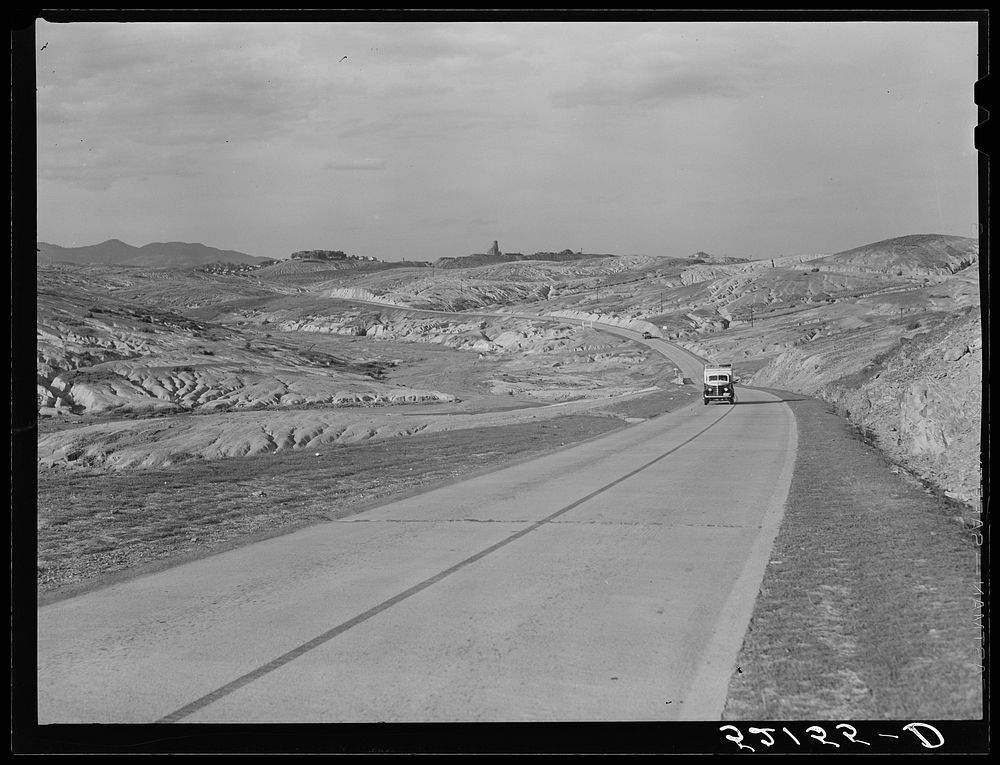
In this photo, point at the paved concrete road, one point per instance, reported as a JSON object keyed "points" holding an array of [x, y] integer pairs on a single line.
{"points": [[610, 581]]}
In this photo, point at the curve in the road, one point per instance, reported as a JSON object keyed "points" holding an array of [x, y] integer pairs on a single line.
{"points": [[683, 603], [689, 363]]}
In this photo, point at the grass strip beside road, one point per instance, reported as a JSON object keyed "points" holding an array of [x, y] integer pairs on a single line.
{"points": [[869, 606], [97, 528]]}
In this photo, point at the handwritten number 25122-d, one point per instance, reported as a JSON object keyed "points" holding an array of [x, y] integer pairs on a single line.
{"points": [[928, 735]]}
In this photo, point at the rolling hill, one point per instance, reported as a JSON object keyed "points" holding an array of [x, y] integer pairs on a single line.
{"points": [[912, 255], [155, 254]]}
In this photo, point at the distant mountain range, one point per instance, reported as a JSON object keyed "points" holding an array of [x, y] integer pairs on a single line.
{"points": [[913, 254], [154, 255]]}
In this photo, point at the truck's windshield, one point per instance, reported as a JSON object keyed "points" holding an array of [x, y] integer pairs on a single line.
{"points": [[718, 378]]}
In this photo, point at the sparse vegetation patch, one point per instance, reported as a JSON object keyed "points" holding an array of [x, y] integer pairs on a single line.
{"points": [[868, 609]]}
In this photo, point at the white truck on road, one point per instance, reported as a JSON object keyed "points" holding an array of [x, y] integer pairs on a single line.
{"points": [[719, 383]]}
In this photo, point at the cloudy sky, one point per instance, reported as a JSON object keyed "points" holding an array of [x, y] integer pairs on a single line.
{"points": [[428, 139]]}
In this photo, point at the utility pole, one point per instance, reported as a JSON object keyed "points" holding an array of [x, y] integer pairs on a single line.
{"points": [[751, 317], [661, 302]]}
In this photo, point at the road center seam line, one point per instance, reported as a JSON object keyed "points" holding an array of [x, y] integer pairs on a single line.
{"points": [[285, 658]]}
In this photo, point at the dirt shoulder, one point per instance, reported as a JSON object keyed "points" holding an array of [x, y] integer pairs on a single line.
{"points": [[870, 606]]}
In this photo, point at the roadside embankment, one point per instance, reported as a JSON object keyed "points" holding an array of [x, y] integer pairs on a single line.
{"points": [[919, 400], [870, 608]]}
